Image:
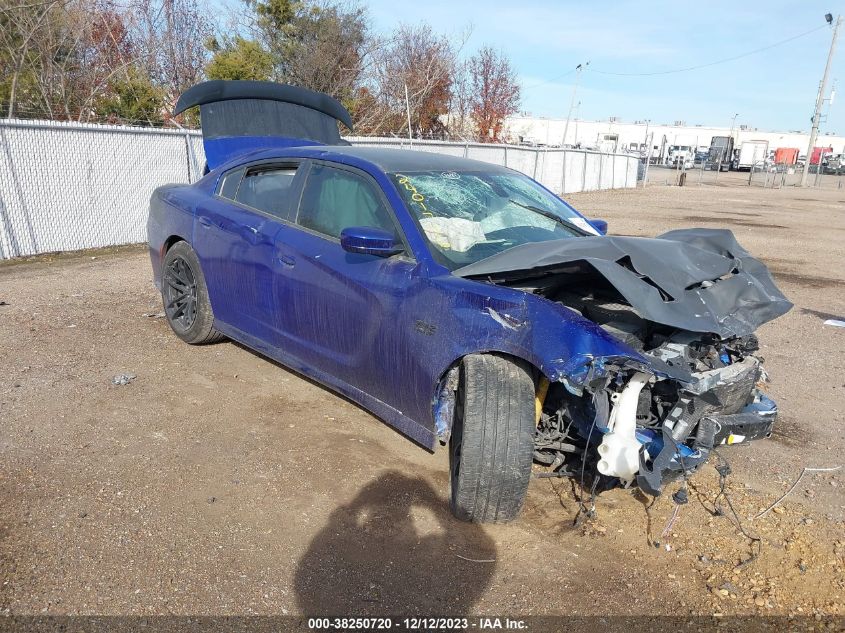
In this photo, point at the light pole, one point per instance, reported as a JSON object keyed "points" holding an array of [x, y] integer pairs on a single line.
{"points": [[814, 132], [733, 124], [577, 112], [730, 144], [578, 70], [408, 112]]}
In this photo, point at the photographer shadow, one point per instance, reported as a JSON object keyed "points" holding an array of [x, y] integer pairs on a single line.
{"points": [[395, 550]]}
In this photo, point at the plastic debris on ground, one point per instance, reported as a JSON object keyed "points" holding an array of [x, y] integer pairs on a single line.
{"points": [[123, 379], [833, 322]]}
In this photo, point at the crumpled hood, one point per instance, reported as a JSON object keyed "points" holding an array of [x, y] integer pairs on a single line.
{"points": [[699, 280]]}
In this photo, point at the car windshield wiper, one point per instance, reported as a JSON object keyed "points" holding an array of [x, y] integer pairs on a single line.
{"points": [[551, 216]]}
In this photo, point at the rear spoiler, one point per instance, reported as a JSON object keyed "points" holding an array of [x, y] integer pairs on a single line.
{"points": [[242, 116], [220, 90]]}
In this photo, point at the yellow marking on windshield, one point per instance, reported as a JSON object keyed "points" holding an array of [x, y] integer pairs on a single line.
{"points": [[416, 196]]}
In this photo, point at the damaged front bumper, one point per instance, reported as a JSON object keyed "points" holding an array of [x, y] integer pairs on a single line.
{"points": [[721, 406], [663, 459]]}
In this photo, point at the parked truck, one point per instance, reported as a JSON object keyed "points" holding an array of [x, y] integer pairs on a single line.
{"points": [[752, 154], [721, 152], [786, 156], [682, 156], [819, 154], [835, 165]]}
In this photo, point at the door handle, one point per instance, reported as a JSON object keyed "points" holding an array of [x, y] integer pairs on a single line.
{"points": [[249, 233], [286, 260], [204, 221]]}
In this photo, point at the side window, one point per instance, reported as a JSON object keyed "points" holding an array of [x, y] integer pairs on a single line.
{"points": [[229, 184], [267, 188], [334, 199]]}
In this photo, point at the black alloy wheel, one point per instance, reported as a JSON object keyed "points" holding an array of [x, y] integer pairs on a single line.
{"points": [[180, 293]]}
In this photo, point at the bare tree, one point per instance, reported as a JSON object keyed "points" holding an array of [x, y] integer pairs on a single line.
{"points": [[67, 53], [417, 59], [495, 92], [170, 36], [459, 121], [21, 26], [323, 45]]}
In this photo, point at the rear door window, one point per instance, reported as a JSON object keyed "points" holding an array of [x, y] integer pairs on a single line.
{"points": [[268, 188]]}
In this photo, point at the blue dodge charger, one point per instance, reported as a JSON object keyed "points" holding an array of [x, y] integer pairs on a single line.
{"points": [[461, 302]]}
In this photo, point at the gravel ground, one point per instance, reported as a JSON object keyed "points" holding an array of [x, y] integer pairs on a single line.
{"points": [[217, 482]]}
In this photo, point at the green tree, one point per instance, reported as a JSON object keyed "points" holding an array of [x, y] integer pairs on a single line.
{"points": [[316, 44], [239, 59], [275, 15], [133, 99]]}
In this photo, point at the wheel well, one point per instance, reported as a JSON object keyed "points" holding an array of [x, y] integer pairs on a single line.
{"points": [[441, 387], [536, 372], [169, 242]]}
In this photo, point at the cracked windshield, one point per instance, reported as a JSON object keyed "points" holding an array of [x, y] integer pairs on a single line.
{"points": [[470, 215]]}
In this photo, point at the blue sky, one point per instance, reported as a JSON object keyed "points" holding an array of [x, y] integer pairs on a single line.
{"points": [[774, 89]]}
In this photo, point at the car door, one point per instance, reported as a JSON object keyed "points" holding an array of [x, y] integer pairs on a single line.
{"points": [[339, 312], [235, 237]]}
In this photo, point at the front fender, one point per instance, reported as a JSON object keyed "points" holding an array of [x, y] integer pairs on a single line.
{"points": [[563, 345]]}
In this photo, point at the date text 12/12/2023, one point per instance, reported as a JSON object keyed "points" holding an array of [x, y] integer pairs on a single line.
{"points": [[416, 624]]}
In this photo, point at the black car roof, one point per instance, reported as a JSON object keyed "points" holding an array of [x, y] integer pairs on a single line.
{"points": [[391, 159]]}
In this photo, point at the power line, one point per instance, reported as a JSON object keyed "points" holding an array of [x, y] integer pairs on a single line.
{"points": [[550, 79], [680, 70], [714, 63]]}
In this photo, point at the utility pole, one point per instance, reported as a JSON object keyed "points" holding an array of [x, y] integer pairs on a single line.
{"points": [[578, 70], [814, 132], [577, 111], [722, 154]]}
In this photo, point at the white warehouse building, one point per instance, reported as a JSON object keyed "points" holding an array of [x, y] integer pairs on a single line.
{"points": [[613, 135]]}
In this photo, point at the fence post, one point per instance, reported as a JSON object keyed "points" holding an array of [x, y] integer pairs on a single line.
{"points": [[613, 171], [3, 210], [191, 158], [543, 168], [584, 173], [563, 173], [598, 184]]}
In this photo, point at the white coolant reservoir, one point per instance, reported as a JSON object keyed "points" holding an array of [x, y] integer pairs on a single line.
{"points": [[619, 452]]}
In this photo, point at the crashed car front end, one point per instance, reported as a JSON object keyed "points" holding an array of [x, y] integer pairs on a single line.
{"points": [[641, 425], [684, 308]]}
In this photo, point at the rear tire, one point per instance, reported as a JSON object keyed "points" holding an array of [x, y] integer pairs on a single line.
{"points": [[492, 442], [185, 296]]}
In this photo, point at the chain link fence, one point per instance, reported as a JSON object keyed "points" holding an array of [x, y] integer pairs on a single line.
{"points": [[760, 176], [70, 186]]}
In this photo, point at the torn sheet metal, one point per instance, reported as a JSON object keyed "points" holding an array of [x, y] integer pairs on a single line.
{"points": [[700, 280], [444, 405]]}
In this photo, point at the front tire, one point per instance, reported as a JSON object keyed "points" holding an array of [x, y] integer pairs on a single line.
{"points": [[185, 296], [492, 442]]}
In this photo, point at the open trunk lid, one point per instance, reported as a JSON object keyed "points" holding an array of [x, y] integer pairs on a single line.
{"points": [[242, 116]]}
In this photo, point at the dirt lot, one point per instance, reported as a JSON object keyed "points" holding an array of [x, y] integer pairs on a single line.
{"points": [[217, 482]]}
